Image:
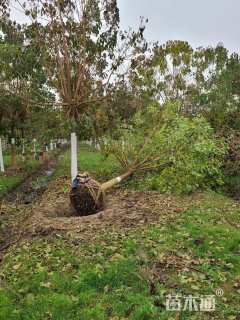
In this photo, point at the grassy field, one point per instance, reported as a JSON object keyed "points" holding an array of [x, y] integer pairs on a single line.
{"points": [[128, 275], [9, 181], [89, 160], [25, 167]]}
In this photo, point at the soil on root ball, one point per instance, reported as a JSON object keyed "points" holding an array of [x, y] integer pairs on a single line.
{"points": [[87, 199]]}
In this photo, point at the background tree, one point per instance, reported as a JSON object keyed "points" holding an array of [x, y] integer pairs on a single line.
{"points": [[21, 82], [82, 49]]}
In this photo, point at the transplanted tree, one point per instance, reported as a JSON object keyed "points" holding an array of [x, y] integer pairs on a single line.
{"points": [[176, 153], [179, 154], [82, 49]]}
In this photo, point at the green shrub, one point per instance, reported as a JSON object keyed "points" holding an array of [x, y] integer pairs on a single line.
{"points": [[186, 154], [195, 154]]}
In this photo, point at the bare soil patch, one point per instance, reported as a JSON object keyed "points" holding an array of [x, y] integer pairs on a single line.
{"points": [[125, 209]]}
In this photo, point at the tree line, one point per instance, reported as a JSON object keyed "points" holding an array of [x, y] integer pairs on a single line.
{"points": [[73, 68]]}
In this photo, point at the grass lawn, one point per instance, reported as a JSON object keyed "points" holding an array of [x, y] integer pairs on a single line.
{"points": [[89, 160], [9, 181], [128, 275], [7, 160]]}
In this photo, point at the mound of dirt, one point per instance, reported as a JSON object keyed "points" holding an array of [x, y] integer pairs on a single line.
{"points": [[125, 209]]}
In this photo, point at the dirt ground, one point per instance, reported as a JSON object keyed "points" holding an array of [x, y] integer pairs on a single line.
{"points": [[125, 209], [52, 214]]}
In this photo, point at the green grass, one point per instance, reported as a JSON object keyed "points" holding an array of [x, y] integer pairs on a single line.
{"points": [[232, 185], [92, 161], [9, 181], [7, 160], [109, 277], [20, 161], [119, 275]]}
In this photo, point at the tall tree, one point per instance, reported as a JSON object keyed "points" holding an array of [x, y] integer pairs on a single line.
{"points": [[82, 48], [21, 81]]}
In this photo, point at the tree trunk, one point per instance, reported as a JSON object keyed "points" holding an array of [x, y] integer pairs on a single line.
{"points": [[13, 156], [13, 149], [111, 183]]}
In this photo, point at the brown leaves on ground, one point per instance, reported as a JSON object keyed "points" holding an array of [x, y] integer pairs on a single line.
{"points": [[169, 267], [125, 210]]}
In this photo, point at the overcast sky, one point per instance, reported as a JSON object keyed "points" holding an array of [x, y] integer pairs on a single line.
{"points": [[200, 22]]}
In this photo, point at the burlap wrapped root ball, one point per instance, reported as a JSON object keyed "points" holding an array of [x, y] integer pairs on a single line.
{"points": [[89, 195], [87, 198]]}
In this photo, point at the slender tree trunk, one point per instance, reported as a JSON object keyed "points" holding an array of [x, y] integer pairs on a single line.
{"points": [[97, 133], [13, 149], [109, 184], [13, 156]]}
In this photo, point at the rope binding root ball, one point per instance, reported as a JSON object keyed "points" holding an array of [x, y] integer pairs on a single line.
{"points": [[86, 195]]}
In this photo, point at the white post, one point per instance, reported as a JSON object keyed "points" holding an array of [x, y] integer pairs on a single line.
{"points": [[51, 145], [23, 148], [74, 165], [1, 157], [35, 148]]}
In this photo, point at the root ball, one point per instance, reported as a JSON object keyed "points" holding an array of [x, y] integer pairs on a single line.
{"points": [[87, 198]]}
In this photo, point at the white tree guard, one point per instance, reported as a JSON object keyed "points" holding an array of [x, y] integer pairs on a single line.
{"points": [[35, 148], [23, 147], [1, 157], [51, 146], [74, 164]]}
